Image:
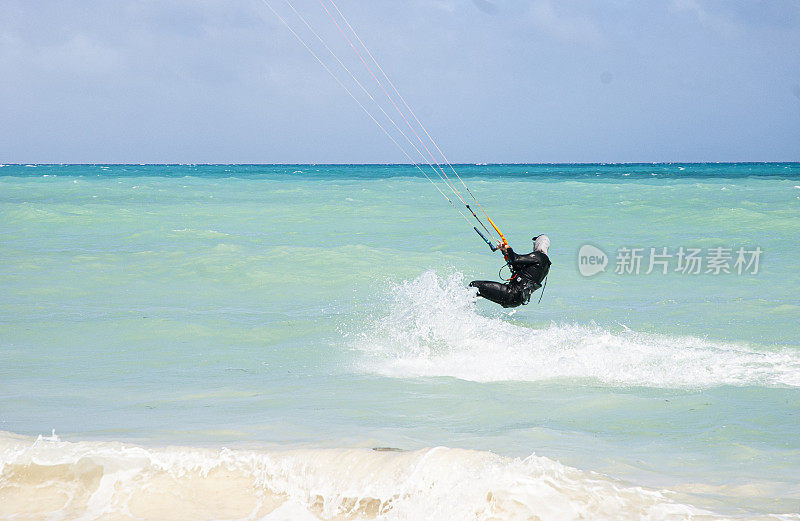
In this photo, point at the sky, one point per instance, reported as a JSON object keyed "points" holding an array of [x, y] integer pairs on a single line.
{"points": [[224, 81]]}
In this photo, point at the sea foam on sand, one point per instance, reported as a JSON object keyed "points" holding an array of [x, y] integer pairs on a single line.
{"points": [[110, 480]]}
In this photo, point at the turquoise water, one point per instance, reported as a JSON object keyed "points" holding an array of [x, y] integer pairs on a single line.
{"points": [[325, 307]]}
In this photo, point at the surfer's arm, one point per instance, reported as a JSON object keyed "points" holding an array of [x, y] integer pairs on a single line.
{"points": [[519, 262], [515, 261], [508, 254]]}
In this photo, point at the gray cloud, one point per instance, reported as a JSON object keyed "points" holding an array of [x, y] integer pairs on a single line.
{"points": [[214, 80]]}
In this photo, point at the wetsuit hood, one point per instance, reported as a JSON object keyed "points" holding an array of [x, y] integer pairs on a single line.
{"points": [[541, 243]]}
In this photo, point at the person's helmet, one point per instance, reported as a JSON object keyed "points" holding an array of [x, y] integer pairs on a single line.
{"points": [[541, 243]]}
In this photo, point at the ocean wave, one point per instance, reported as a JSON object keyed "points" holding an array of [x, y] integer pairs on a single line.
{"points": [[433, 328], [108, 480]]}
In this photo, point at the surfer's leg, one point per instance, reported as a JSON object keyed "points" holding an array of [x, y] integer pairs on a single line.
{"points": [[502, 294]]}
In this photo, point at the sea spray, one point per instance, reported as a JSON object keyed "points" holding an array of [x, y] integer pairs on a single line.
{"points": [[433, 327]]}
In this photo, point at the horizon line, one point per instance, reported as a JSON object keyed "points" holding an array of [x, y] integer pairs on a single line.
{"points": [[418, 164]]}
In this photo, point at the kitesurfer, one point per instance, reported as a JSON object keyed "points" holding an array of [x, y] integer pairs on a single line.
{"points": [[527, 273]]}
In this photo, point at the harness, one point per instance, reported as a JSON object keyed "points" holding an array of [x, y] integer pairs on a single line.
{"points": [[526, 285]]}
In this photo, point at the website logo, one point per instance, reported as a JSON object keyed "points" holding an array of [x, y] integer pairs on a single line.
{"points": [[591, 260], [685, 260]]}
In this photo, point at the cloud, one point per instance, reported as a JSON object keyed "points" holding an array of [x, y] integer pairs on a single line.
{"points": [[572, 29], [711, 20], [168, 80], [487, 6]]}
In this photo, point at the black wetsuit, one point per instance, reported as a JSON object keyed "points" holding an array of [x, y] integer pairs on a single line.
{"points": [[527, 272]]}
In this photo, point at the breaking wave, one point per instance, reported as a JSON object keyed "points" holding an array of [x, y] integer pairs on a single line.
{"points": [[433, 328], [57, 480]]}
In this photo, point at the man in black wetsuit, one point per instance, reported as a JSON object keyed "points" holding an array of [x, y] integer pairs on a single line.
{"points": [[527, 273]]}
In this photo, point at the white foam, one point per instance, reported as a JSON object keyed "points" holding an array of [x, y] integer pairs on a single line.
{"points": [[53, 437], [433, 328], [112, 480]]}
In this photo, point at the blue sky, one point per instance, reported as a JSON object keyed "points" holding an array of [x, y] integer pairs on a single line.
{"points": [[493, 80]]}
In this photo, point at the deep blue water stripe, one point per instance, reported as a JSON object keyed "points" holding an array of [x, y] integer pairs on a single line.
{"points": [[789, 171]]}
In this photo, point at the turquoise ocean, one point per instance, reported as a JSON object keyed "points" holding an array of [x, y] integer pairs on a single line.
{"points": [[298, 342]]}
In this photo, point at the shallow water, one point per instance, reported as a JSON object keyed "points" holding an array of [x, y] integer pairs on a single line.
{"points": [[307, 314]]}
